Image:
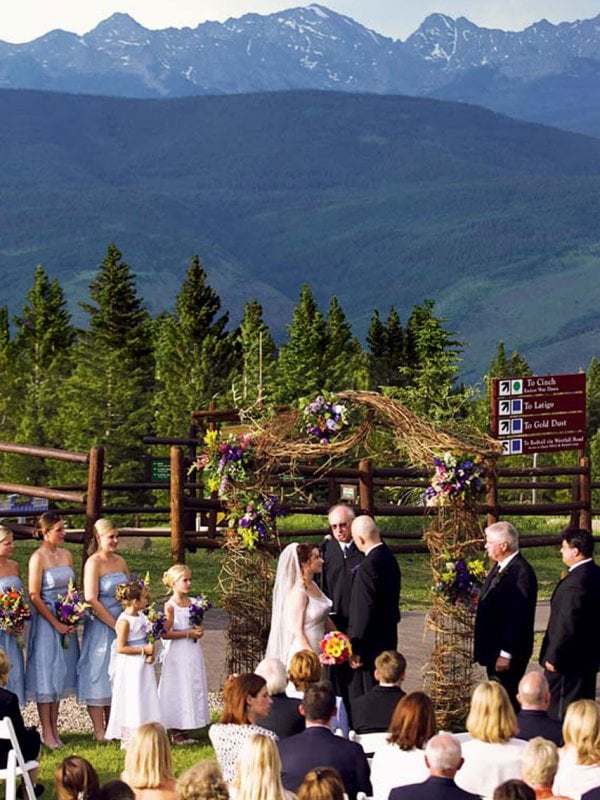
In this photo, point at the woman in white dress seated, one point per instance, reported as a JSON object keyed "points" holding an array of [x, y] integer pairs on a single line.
{"points": [[579, 759], [300, 612], [492, 755], [401, 760], [246, 701]]}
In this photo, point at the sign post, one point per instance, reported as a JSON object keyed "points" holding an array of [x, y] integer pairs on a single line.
{"points": [[539, 413]]}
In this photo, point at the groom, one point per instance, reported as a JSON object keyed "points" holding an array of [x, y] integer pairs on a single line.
{"points": [[374, 604]]}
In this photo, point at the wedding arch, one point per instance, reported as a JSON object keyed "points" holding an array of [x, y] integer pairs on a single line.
{"points": [[245, 472]]}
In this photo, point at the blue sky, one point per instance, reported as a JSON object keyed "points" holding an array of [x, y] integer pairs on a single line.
{"points": [[24, 20]]}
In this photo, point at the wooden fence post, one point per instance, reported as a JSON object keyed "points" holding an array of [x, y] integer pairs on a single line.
{"points": [[365, 485], [93, 502], [177, 530], [585, 495]]}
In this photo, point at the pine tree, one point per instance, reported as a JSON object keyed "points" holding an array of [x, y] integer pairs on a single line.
{"points": [[8, 394], [258, 357], [195, 355], [107, 399], [593, 399], [434, 367], [386, 343], [344, 362], [300, 367], [43, 343]]}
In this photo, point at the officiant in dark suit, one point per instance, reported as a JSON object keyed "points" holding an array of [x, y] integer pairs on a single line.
{"points": [[341, 557], [506, 610], [570, 651], [374, 604]]}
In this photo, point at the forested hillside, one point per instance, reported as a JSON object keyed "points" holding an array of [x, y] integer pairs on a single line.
{"points": [[382, 201]]}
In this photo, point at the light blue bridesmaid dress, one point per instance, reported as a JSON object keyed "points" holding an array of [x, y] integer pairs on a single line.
{"points": [[51, 669], [8, 642], [93, 681]]}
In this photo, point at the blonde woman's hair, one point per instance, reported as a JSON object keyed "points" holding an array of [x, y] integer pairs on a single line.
{"points": [[203, 781], [173, 574], [539, 762], [5, 666], [322, 783], [491, 716], [259, 770], [101, 526], [581, 731], [304, 669], [148, 763], [4, 533]]}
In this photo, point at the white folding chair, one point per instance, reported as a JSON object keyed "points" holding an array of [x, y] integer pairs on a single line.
{"points": [[15, 764]]}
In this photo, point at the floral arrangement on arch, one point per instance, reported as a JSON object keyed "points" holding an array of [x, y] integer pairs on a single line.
{"points": [[324, 418], [461, 581], [252, 520], [454, 481], [224, 461]]}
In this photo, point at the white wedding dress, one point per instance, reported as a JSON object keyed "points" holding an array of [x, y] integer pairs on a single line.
{"points": [[282, 642]]}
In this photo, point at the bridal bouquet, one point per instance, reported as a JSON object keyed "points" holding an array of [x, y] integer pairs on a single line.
{"points": [[70, 609], [14, 613], [335, 648]]}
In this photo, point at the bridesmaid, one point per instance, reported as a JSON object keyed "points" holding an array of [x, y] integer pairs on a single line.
{"points": [[103, 572], [51, 667], [10, 579]]}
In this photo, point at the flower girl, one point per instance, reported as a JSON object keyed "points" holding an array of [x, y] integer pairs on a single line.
{"points": [[183, 689], [134, 695]]}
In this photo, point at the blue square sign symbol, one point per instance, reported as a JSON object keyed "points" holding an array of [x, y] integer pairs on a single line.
{"points": [[516, 425], [516, 446], [516, 407]]}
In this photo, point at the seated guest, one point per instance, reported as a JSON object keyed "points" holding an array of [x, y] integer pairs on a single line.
{"points": [[401, 760], [539, 763], [203, 781], [246, 701], [579, 760], [148, 764], [317, 746], [443, 759], [372, 712], [259, 772], [28, 738], [492, 754], [304, 669], [284, 718], [76, 779], [533, 719], [514, 789], [322, 783]]}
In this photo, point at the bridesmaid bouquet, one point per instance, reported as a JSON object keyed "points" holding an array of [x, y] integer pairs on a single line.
{"points": [[70, 609], [198, 605], [157, 624], [14, 613], [335, 648]]}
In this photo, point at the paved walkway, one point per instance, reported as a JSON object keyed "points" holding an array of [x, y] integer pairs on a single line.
{"points": [[415, 643]]}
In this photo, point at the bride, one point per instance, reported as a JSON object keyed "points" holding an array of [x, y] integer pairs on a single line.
{"points": [[300, 613]]}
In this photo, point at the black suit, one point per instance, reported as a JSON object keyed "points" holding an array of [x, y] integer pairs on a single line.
{"points": [[432, 789], [572, 640], [337, 577], [374, 613], [538, 723], [284, 718], [505, 620], [28, 738], [318, 747], [592, 794], [372, 712]]}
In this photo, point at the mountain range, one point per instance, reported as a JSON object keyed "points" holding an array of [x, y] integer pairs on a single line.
{"points": [[381, 200], [545, 73]]}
